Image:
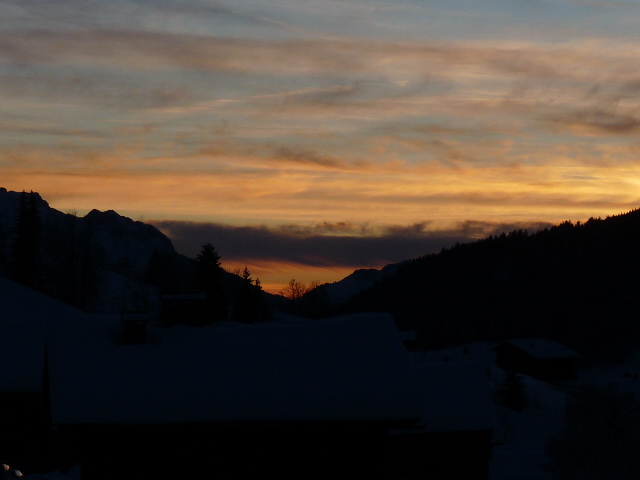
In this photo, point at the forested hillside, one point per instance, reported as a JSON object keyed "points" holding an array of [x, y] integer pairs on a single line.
{"points": [[576, 283]]}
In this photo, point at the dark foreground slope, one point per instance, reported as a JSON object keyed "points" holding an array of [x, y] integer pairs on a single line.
{"points": [[576, 283]]}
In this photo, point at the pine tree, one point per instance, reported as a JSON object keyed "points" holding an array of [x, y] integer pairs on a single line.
{"points": [[209, 278], [25, 248], [250, 305]]}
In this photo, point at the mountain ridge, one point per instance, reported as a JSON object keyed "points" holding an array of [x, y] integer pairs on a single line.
{"points": [[85, 261], [575, 283], [103, 262]]}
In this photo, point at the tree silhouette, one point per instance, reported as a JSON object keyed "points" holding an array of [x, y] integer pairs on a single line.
{"points": [[294, 290], [250, 305], [209, 261], [25, 248], [209, 278]]}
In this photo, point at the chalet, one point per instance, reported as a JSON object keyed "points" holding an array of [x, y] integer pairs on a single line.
{"points": [[453, 438], [187, 307], [537, 357], [280, 400]]}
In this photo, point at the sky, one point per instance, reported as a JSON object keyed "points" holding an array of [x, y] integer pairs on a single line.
{"points": [[309, 138]]}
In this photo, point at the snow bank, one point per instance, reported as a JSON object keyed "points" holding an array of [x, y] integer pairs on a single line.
{"points": [[19, 302]]}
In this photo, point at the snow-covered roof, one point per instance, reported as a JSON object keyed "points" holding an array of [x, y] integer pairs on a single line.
{"points": [[17, 301], [346, 368], [25, 317], [457, 397], [542, 348]]}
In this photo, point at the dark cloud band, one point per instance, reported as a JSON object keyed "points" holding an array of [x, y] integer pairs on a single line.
{"points": [[347, 246]]}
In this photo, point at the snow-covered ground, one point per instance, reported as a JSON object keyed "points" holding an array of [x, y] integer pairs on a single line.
{"points": [[519, 437]]}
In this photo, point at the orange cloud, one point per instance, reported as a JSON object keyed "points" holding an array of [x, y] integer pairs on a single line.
{"points": [[244, 190]]}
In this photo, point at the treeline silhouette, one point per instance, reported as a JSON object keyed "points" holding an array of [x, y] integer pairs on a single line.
{"points": [[575, 283]]}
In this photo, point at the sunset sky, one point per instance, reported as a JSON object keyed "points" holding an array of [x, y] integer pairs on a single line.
{"points": [[309, 138]]}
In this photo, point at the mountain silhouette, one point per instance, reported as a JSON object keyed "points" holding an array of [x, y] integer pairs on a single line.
{"points": [[103, 262]]}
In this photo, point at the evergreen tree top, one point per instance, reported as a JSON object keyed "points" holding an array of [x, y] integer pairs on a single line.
{"points": [[208, 257]]}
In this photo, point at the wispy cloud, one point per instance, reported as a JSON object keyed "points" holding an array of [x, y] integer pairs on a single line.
{"points": [[597, 122], [289, 155]]}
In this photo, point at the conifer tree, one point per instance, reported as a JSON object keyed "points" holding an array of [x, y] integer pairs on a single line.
{"points": [[209, 278], [250, 305], [25, 248]]}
